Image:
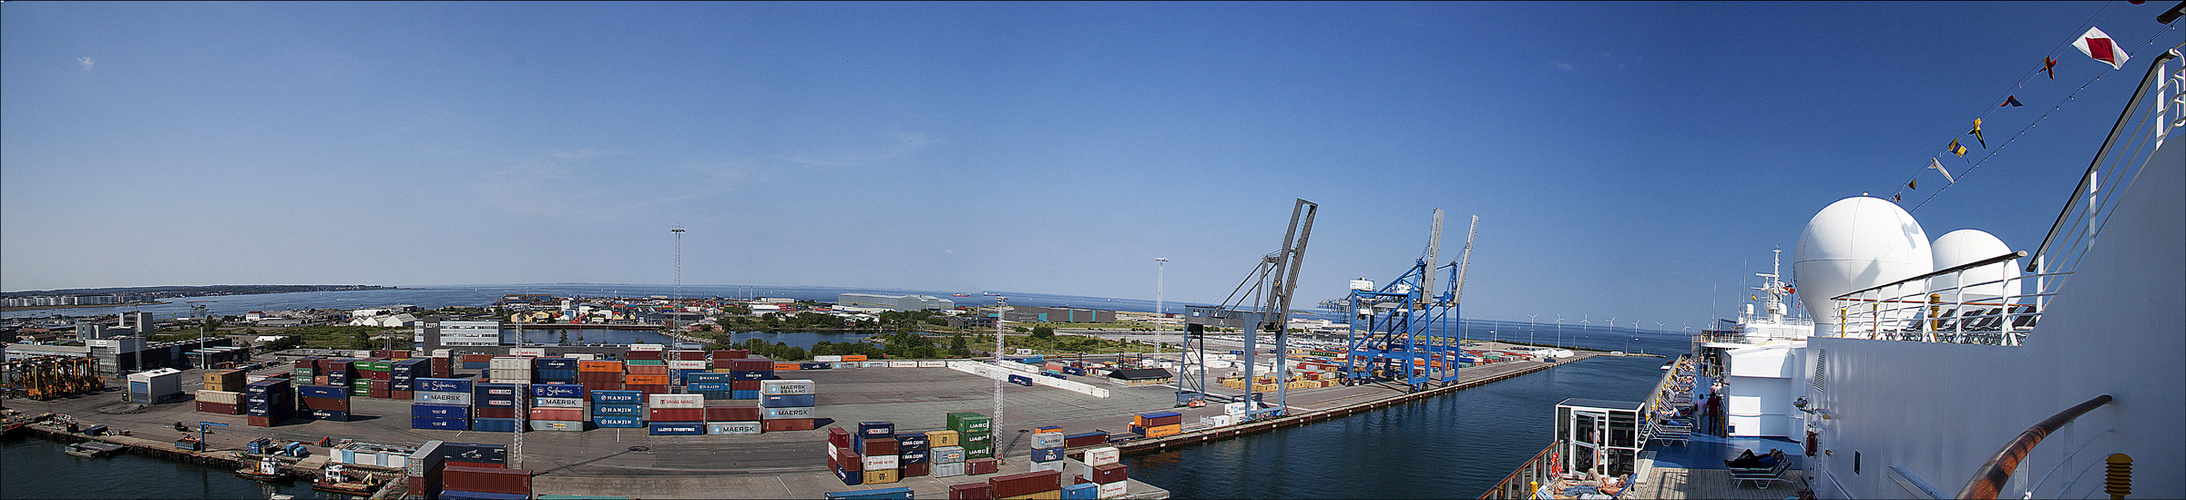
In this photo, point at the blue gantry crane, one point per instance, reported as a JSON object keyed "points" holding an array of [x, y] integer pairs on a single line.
{"points": [[1403, 331]]}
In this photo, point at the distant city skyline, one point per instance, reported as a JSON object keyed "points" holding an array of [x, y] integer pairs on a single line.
{"points": [[1635, 160]]}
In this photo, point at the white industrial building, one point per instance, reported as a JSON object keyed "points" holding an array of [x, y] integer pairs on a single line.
{"points": [[895, 302]]}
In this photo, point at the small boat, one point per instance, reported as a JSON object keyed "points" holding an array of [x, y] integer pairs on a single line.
{"points": [[265, 469], [338, 479], [93, 449]]}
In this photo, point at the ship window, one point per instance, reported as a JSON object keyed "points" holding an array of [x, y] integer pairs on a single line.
{"points": [[1821, 364], [1855, 462]]}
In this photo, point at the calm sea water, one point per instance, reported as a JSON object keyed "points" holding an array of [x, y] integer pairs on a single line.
{"points": [[1454, 446], [32, 467]]}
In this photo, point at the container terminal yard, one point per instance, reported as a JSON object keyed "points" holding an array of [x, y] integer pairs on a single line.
{"points": [[632, 463]]}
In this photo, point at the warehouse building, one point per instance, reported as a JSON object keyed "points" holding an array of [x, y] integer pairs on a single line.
{"points": [[895, 302], [1030, 314], [440, 332]]}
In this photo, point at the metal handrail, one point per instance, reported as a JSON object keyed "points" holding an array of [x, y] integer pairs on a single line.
{"points": [[1961, 267], [2154, 69], [1990, 479], [1530, 465]]}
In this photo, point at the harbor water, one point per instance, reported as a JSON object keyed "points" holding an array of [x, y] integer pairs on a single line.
{"points": [[33, 467]]}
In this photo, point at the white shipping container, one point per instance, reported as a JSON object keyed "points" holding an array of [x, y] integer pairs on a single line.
{"points": [[1236, 408], [831, 358], [881, 462], [1217, 420], [1103, 455], [933, 364], [947, 470], [510, 363], [786, 387], [441, 353], [733, 428], [1113, 490], [557, 425], [221, 397], [425, 457], [680, 364], [441, 398], [675, 401], [1056, 466], [558, 402], [535, 352], [500, 380], [648, 347], [789, 413], [1044, 440], [946, 454], [903, 364], [875, 364], [583, 356]]}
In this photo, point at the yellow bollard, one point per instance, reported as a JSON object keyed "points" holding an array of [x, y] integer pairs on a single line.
{"points": [[2118, 476]]}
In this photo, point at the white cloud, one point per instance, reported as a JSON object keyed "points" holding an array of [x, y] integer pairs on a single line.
{"points": [[86, 62]]}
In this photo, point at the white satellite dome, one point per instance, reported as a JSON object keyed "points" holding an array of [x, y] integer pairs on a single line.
{"points": [[1966, 246], [1853, 244]]}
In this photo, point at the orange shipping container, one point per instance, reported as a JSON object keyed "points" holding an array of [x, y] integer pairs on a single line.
{"points": [[853, 357], [599, 366], [1165, 430], [648, 369], [783, 367], [636, 379]]}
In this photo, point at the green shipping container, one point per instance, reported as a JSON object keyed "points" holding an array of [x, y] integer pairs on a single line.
{"points": [[969, 422]]}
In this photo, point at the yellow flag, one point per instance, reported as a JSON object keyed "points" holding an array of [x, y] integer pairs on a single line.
{"points": [[1957, 149]]}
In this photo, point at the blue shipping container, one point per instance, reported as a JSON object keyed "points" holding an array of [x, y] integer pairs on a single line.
{"points": [[1021, 380], [878, 429], [328, 415], [743, 394], [555, 363], [814, 366], [697, 377], [444, 384], [493, 424], [849, 478], [322, 391], [899, 493], [676, 428], [911, 457], [442, 423], [1047, 454], [750, 375], [617, 422], [452, 411], [557, 391], [912, 441], [708, 387], [788, 401], [618, 397], [618, 410], [1087, 491]]}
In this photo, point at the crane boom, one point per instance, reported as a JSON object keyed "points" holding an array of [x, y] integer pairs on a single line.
{"points": [[1465, 261]]}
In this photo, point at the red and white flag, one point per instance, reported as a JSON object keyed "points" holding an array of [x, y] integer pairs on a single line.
{"points": [[2098, 45]]}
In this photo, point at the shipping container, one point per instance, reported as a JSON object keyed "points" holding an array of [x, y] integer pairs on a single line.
{"points": [[738, 414], [430, 410], [1103, 456], [618, 410], [948, 470], [676, 428], [752, 427], [788, 424], [788, 413], [978, 466], [617, 421], [493, 424], [443, 385], [946, 454], [786, 387], [788, 401], [489, 480], [1026, 483], [557, 391], [558, 402], [972, 491], [618, 397], [675, 414], [969, 422], [942, 438], [876, 446], [563, 414], [675, 401], [441, 423], [1094, 438], [1047, 454], [898, 493], [1047, 440]]}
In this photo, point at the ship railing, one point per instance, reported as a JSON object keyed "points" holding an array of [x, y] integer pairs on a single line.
{"points": [[1979, 302], [1994, 310], [1522, 482], [1991, 478]]}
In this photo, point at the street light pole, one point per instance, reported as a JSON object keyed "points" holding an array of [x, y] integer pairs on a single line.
{"points": [[1161, 271], [1529, 328], [1559, 332]]}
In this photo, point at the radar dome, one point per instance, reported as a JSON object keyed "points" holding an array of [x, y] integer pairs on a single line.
{"points": [[1966, 246], [1853, 244]]}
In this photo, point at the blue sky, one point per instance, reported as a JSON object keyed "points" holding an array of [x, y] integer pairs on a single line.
{"points": [[1635, 160]]}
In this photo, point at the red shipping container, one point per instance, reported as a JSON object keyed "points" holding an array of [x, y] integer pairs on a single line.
{"points": [[731, 354], [688, 355], [492, 412], [219, 408], [477, 358], [838, 436], [256, 421], [319, 380], [329, 404], [917, 469], [751, 365], [787, 424], [675, 414], [601, 386], [647, 369], [377, 393], [1026, 483], [745, 385], [649, 389], [879, 446], [979, 466], [483, 465], [380, 376], [1111, 473], [973, 491], [403, 395], [481, 479], [642, 355], [732, 414], [561, 414]]}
